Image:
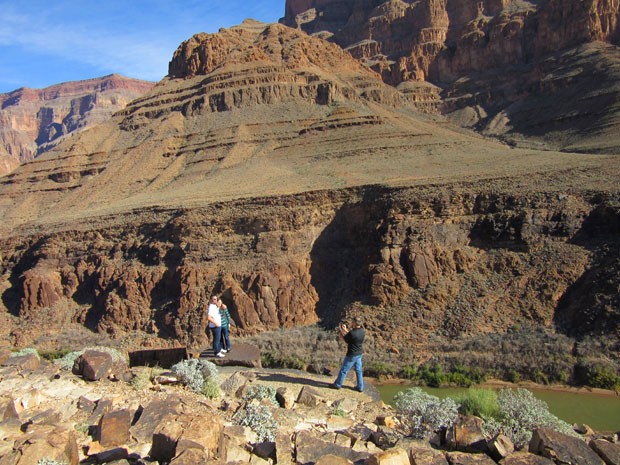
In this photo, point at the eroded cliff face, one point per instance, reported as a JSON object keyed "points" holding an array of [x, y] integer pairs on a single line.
{"points": [[417, 263], [32, 121], [490, 61]]}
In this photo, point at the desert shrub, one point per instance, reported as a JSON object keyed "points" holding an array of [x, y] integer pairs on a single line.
{"points": [[520, 414], [26, 351], [338, 412], [194, 372], [423, 413], [259, 419], [47, 461], [51, 355], [141, 380], [260, 392], [410, 372], [66, 361], [380, 370], [273, 360], [211, 389], [479, 402], [603, 377]]}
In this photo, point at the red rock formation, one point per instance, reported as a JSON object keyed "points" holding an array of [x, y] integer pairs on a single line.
{"points": [[33, 121]]}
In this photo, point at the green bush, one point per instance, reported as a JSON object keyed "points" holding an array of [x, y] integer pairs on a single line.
{"points": [[272, 360], [520, 414], [26, 351], [423, 413], [603, 377], [260, 392], [479, 402], [259, 419], [410, 372], [195, 372], [211, 389], [380, 370], [51, 355]]}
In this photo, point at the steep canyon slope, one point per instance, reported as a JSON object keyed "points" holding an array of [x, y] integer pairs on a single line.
{"points": [[33, 121], [540, 72], [273, 167]]}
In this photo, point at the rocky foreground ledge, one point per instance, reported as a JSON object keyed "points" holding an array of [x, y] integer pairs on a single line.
{"points": [[103, 411]]}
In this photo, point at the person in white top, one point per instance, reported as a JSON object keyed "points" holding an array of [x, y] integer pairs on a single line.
{"points": [[215, 325]]}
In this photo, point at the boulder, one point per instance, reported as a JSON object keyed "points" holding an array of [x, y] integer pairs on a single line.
{"points": [[284, 449], [386, 420], [102, 407], [394, 456], [234, 436], [330, 459], [500, 447], [310, 397], [176, 433], [562, 448], [309, 449], [190, 457], [608, 451], [152, 415], [426, 456], [462, 458], [234, 382], [466, 435], [346, 404], [24, 362], [5, 354], [93, 365], [45, 441], [285, 397], [113, 429], [525, 458]]}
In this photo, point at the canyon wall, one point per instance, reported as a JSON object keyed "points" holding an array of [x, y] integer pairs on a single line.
{"points": [[416, 263], [32, 121]]}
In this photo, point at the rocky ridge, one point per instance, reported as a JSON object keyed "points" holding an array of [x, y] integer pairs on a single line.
{"points": [[490, 65], [108, 413], [33, 121], [301, 195]]}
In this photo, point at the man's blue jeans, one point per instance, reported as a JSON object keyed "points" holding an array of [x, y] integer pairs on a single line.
{"points": [[353, 361], [216, 332]]}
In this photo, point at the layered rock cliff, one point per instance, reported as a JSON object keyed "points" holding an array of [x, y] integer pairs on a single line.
{"points": [[274, 169], [497, 64], [32, 121]]}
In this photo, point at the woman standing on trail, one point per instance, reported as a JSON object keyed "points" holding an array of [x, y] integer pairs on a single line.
{"points": [[226, 322]]}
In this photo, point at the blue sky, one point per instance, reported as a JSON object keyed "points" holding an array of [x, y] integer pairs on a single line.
{"points": [[48, 42]]}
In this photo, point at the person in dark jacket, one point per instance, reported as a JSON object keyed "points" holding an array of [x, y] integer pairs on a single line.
{"points": [[353, 359], [226, 322]]}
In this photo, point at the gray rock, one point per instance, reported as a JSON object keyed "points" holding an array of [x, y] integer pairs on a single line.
{"points": [[562, 448], [309, 449], [525, 458], [310, 397], [608, 451]]}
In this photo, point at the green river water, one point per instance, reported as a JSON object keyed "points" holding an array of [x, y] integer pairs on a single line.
{"points": [[600, 412]]}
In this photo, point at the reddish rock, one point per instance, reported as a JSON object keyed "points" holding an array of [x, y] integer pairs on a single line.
{"points": [[113, 429], [93, 365], [525, 458], [35, 120]]}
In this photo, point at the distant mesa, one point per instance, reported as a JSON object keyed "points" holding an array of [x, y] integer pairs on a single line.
{"points": [[33, 121]]}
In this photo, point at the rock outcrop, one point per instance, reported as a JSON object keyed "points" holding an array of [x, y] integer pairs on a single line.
{"points": [[497, 63], [275, 169], [33, 121]]}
